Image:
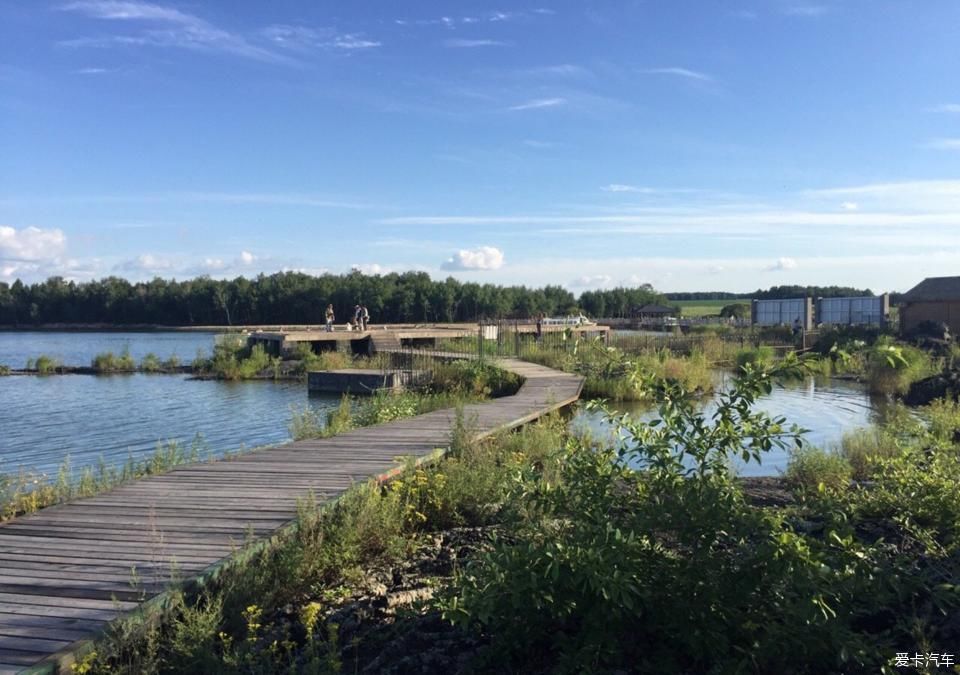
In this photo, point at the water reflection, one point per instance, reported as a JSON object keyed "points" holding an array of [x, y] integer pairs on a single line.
{"points": [[826, 408]]}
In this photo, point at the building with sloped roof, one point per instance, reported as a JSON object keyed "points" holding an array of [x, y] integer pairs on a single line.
{"points": [[935, 300]]}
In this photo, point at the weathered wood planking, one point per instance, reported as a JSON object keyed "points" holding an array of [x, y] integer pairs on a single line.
{"points": [[69, 570]]}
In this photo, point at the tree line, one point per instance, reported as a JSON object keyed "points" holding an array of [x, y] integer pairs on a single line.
{"points": [[776, 293], [297, 298]]}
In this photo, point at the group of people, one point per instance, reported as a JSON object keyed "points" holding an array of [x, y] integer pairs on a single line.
{"points": [[360, 321]]}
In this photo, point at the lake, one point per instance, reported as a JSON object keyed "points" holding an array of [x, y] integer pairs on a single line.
{"points": [[45, 419], [79, 348]]}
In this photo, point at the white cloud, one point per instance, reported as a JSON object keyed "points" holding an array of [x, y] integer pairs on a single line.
{"points": [[849, 206], [782, 265], [620, 187], [539, 145], [481, 258], [946, 108], [369, 269], [213, 264], [148, 263], [460, 43], [247, 258], [679, 72], [540, 103], [594, 281], [944, 144], [31, 244]]}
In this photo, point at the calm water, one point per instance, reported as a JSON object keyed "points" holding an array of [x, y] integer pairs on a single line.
{"points": [[827, 408], [79, 348], [45, 419]]}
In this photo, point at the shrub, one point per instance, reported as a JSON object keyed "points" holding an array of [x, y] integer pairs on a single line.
{"points": [[44, 365], [812, 469], [892, 368], [171, 363], [108, 362], [4, 370], [760, 357], [151, 363], [861, 448]]}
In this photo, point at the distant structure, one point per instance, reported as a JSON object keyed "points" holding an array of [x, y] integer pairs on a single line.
{"points": [[654, 312], [852, 311], [935, 300], [856, 311], [783, 312]]}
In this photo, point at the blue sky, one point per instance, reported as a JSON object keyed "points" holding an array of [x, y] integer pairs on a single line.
{"points": [[692, 145]]}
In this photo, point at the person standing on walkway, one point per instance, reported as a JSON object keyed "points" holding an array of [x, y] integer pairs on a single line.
{"points": [[365, 316], [330, 318], [539, 327]]}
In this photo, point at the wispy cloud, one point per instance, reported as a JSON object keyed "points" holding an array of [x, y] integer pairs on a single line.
{"points": [[953, 108], [620, 187], [540, 103], [564, 70], [806, 10], [92, 71], [305, 38], [943, 144], [679, 72], [171, 28], [539, 145], [450, 21], [460, 43]]}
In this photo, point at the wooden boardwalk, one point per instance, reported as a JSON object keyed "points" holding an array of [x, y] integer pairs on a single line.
{"points": [[69, 570]]}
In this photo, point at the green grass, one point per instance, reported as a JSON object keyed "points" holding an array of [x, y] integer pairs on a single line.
{"points": [[699, 308]]}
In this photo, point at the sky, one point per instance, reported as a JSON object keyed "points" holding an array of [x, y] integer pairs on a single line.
{"points": [[692, 145]]}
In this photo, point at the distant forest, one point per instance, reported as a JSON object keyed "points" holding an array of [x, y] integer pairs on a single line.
{"points": [[296, 298]]}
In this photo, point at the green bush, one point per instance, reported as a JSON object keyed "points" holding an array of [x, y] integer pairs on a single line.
{"points": [[891, 368], [813, 469], [4, 370], [760, 357], [862, 448], [43, 364], [151, 363], [108, 362]]}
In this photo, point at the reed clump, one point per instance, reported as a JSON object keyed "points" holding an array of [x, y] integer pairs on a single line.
{"points": [[108, 362], [44, 365]]}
